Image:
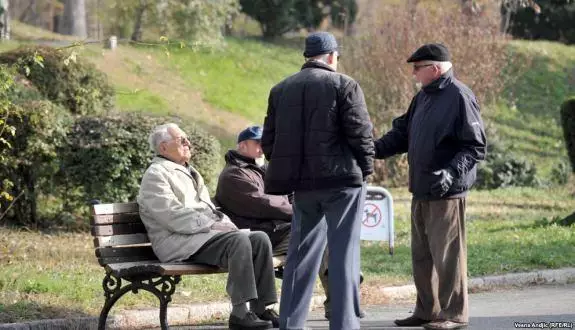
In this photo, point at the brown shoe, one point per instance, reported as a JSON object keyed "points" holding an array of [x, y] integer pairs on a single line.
{"points": [[445, 325], [412, 321]]}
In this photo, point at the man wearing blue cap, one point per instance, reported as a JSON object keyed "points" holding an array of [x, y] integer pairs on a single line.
{"points": [[318, 140], [442, 133], [240, 192]]}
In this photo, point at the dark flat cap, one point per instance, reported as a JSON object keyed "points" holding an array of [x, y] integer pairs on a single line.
{"points": [[319, 43], [430, 52]]}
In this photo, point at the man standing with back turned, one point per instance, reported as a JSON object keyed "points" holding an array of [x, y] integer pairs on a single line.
{"points": [[318, 140], [442, 133]]}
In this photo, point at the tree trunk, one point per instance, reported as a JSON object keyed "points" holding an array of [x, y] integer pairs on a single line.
{"points": [[4, 20], [73, 22], [137, 34]]}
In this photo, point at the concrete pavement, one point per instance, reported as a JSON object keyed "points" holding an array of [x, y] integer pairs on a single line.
{"points": [[545, 306], [553, 300]]}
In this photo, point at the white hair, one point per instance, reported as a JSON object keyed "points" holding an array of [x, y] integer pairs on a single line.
{"points": [[443, 66], [160, 134]]}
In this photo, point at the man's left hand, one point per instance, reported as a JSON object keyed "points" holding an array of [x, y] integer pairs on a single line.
{"points": [[444, 182]]}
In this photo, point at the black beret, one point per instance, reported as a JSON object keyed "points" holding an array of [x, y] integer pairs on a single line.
{"points": [[430, 52], [319, 43]]}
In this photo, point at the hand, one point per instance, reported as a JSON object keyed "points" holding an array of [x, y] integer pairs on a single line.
{"points": [[443, 183], [224, 226]]}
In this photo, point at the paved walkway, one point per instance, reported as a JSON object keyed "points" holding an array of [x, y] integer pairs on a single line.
{"points": [[499, 309]]}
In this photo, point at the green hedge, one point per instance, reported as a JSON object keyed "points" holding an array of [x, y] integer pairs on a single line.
{"points": [[568, 122], [63, 78]]}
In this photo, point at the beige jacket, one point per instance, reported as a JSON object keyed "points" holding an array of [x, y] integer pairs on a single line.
{"points": [[176, 209]]}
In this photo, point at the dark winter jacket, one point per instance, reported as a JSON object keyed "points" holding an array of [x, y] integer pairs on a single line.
{"points": [[317, 132], [240, 194], [442, 129]]}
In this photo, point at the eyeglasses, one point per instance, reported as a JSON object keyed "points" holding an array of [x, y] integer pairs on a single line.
{"points": [[418, 67], [183, 140]]}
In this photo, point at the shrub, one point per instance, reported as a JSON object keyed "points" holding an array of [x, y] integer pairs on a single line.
{"points": [[504, 169], [107, 155], [568, 122], [390, 33], [30, 163], [553, 22], [63, 78], [275, 18]]}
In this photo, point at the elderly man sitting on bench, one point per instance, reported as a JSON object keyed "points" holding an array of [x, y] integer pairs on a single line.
{"points": [[184, 225]]}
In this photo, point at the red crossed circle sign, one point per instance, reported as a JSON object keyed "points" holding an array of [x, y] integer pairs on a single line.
{"points": [[371, 215]]}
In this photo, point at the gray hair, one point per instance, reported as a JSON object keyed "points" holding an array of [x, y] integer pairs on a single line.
{"points": [[160, 134], [320, 58]]}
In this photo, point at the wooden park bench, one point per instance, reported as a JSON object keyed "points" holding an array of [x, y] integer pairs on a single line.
{"points": [[124, 250]]}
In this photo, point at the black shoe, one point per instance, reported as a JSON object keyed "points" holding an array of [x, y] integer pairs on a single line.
{"points": [[361, 314], [412, 321], [249, 321], [270, 315]]}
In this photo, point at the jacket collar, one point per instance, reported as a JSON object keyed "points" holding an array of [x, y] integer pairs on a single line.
{"points": [[165, 162], [317, 65], [440, 83], [233, 157]]}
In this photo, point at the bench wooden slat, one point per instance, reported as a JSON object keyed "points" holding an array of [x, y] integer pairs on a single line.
{"points": [[115, 208], [116, 240], [106, 219], [158, 268], [119, 229], [121, 260], [130, 251]]}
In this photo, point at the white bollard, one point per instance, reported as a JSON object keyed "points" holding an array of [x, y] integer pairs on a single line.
{"points": [[112, 43]]}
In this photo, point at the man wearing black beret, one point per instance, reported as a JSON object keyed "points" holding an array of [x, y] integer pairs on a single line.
{"points": [[443, 135], [318, 140]]}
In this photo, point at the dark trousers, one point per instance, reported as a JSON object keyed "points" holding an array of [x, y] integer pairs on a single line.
{"points": [[439, 256], [331, 216], [248, 259]]}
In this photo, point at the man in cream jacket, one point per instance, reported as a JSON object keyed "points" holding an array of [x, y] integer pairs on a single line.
{"points": [[184, 225]]}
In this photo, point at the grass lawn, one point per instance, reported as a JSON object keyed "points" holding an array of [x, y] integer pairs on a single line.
{"points": [[527, 118], [238, 77], [510, 230]]}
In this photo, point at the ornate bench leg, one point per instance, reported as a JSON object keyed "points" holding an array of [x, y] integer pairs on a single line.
{"points": [[113, 291]]}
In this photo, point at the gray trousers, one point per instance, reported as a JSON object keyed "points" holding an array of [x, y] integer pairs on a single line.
{"points": [[282, 248], [331, 216], [439, 256], [248, 259]]}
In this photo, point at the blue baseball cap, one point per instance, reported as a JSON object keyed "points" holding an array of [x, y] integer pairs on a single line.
{"points": [[250, 133]]}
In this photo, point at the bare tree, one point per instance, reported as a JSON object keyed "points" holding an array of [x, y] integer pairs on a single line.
{"points": [[4, 20], [73, 22]]}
